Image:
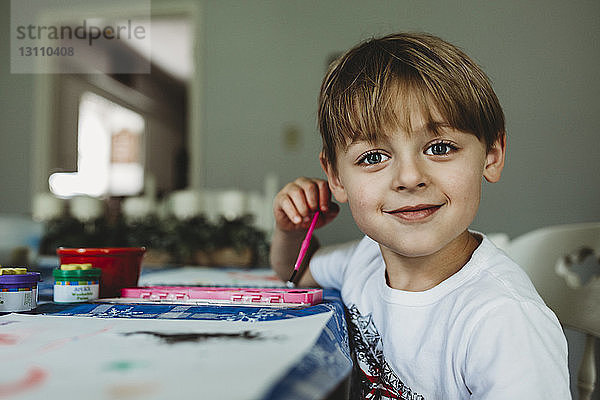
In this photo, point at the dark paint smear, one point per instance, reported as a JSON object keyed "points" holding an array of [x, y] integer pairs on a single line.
{"points": [[173, 338]]}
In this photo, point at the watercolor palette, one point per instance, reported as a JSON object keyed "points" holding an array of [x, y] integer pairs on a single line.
{"points": [[227, 296]]}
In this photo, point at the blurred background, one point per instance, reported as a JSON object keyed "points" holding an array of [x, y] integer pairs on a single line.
{"points": [[231, 101]]}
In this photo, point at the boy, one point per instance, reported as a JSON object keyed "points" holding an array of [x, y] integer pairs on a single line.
{"points": [[410, 126]]}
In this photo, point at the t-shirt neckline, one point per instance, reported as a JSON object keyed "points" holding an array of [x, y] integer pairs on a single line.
{"points": [[433, 295]]}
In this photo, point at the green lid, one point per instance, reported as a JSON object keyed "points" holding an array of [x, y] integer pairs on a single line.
{"points": [[85, 274]]}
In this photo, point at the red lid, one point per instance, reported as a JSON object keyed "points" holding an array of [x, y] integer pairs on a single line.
{"points": [[99, 251]]}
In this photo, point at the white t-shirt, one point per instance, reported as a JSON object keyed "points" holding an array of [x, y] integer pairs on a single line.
{"points": [[483, 333]]}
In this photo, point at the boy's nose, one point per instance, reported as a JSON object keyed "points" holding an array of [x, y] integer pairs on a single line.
{"points": [[409, 175]]}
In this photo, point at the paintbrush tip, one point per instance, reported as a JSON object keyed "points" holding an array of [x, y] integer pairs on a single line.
{"points": [[291, 280]]}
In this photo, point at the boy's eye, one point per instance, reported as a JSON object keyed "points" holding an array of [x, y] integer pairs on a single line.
{"points": [[439, 149], [373, 158]]}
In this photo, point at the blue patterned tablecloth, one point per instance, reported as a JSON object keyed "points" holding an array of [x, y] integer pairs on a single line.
{"points": [[320, 371]]}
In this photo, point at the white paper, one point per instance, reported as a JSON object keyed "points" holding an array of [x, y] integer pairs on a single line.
{"points": [[54, 357], [212, 276]]}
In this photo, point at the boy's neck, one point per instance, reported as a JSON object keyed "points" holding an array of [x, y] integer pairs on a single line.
{"points": [[417, 274]]}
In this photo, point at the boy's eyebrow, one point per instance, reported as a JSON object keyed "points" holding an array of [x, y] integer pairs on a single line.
{"points": [[433, 127], [359, 140]]}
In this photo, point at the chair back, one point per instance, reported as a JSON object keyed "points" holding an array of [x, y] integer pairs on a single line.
{"points": [[563, 263], [553, 258]]}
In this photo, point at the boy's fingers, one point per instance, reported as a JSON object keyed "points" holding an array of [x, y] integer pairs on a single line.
{"points": [[313, 196], [311, 191], [332, 212], [290, 210], [327, 216], [301, 198], [298, 199], [324, 195]]}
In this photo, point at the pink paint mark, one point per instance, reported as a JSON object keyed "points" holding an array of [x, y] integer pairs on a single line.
{"points": [[35, 377], [91, 334], [55, 344], [8, 339], [58, 343]]}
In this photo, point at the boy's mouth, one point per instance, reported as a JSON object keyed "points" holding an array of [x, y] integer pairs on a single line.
{"points": [[415, 213]]}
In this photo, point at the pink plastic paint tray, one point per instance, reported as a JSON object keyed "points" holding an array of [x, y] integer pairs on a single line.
{"points": [[194, 295]]}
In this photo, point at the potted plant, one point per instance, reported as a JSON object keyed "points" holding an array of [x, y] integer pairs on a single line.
{"points": [[237, 242]]}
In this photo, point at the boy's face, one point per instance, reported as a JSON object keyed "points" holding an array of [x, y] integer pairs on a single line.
{"points": [[415, 193]]}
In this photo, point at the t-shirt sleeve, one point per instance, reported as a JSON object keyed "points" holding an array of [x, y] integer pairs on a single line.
{"points": [[329, 264], [517, 351]]}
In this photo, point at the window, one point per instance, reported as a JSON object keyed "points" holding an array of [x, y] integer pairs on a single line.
{"points": [[110, 151]]}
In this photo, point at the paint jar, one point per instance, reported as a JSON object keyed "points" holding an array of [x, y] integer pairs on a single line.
{"points": [[76, 283], [18, 289], [120, 266]]}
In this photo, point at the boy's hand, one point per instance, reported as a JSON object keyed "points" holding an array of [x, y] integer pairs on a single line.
{"points": [[297, 202]]}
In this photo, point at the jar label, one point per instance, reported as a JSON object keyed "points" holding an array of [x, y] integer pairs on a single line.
{"points": [[75, 293], [17, 301]]}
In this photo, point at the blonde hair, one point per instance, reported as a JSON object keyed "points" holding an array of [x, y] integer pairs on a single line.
{"points": [[371, 89]]}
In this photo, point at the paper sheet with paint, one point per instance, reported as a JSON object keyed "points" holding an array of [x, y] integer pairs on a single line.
{"points": [[53, 357]]}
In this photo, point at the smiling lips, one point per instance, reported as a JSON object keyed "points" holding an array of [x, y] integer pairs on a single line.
{"points": [[415, 213]]}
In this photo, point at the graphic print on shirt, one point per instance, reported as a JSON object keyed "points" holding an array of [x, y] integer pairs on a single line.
{"points": [[373, 378]]}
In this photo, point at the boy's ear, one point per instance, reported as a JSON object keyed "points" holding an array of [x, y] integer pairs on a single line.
{"points": [[494, 160], [335, 185]]}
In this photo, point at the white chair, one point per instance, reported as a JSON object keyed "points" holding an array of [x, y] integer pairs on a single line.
{"points": [[500, 239], [554, 257]]}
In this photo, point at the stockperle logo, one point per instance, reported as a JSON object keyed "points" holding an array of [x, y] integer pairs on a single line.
{"points": [[80, 36]]}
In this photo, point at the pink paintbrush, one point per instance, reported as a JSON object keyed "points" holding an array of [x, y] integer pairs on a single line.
{"points": [[303, 248]]}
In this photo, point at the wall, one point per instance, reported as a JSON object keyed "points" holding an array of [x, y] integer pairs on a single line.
{"points": [[16, 102]]}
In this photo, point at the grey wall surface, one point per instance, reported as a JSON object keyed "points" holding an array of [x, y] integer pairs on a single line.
{"points": [[16, 102], [264, 61]]}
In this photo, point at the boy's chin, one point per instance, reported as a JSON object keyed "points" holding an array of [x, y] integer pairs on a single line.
{"points": [[412, 252], [416, 246], [408, 249]]}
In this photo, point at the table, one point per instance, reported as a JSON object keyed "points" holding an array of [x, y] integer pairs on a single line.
{"points": [[171, 351]]}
